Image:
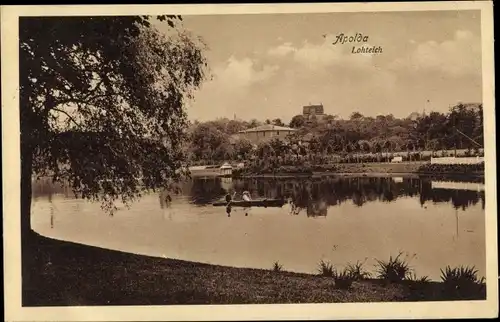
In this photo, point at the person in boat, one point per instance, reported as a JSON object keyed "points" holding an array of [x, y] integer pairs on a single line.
{"points": [[230, 198], [246, 197]]}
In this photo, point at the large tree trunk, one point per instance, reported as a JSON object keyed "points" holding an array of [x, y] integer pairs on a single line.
{"points": [[28, 236], [26, 170]]}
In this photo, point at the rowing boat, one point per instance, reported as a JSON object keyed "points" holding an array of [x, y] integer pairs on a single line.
{"points": [[252, 203]]}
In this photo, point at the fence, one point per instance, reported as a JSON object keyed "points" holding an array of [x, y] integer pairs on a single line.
{"points": [[457, 185], [453, 160]]}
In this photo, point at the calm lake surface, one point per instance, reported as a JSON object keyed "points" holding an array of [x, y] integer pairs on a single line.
{"points": [[341, 220]]}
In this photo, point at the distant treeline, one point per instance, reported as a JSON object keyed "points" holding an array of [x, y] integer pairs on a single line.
{"points": [[348, 139]]}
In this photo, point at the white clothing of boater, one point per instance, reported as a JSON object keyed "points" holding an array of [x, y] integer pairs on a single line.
{"points": [[246, 196]]}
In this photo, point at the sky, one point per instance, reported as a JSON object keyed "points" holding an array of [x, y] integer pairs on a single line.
{"points": [[267, 66]]}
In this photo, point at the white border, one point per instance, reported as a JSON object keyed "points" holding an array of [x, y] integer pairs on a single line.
{"points": [[11, 175]]}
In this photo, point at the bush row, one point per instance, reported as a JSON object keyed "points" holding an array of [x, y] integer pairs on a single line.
{"points": [[452, 168], [284, 169], [457, 282]]}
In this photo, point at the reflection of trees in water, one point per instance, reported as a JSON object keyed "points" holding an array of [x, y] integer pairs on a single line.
{"points": [[317, 208], [203, 191], [165, 198], [46, 188], [309, 193], [464, 198], [458, 198]]}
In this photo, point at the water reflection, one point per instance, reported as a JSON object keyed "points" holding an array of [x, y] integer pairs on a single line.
{"points": [[314, 196], [317, 195], [51, 211]]}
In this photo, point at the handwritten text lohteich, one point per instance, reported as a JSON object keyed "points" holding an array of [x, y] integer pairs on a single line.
{"points": [[358, 38]]}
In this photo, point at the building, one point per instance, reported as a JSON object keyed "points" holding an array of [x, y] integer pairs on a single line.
{"points": [[226, 170], [414, 116], [313, 112], [264, 133]]}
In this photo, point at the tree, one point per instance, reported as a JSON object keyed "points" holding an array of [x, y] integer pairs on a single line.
{"points": [[242, 148], [297, 121], [209, 142], [329, 119], [365, 146], [101, 105], [463, 120], [433, 145], [377, 148], [356, 116], [253, 123], [264, 150], [356, 148], [395, 142], [478, 129], [387, 146], [429, 127], [278, 146], [234, 126], [278, 122]]}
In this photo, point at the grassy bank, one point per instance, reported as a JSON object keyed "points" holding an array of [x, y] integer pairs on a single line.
{"points": [[343, 169], [347, 169], [472, 170], [65, 273]]}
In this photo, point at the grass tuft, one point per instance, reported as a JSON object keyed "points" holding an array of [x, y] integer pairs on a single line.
{"points": [[343, 279], [461, 281], [412, 277], [357, 271], [395, 270], [277, 267], [326, 269]]}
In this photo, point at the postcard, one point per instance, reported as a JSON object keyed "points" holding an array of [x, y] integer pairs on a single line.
{"points": [[249, 162]]}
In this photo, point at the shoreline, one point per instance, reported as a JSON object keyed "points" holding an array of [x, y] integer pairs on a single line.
{"points": [[375, 169], [69, 274], [414, 175]]}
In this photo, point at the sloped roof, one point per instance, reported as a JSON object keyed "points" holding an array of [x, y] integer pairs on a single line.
{"points": [[268, 127], [226, 166]]}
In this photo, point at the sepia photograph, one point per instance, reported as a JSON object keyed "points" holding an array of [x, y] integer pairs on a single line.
{"points": [[209, 157]]}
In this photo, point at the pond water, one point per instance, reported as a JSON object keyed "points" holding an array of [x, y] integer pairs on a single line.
{"points": [[340, 220]]}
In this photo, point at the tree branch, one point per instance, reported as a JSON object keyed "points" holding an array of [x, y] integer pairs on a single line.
{"points": [[69, 116], [86, 97]]}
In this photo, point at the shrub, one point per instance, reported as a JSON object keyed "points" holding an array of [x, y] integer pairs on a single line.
{"points": [[295, 169], [395, 270], [412, 277], [453, 168], [417, 284], [357, 271], [325, 168], [236, 173], [326, 269], [343, 279], [461, 281], [277, 267]]}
